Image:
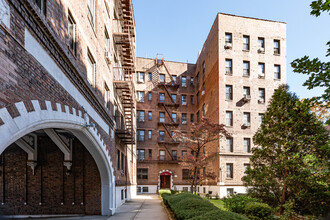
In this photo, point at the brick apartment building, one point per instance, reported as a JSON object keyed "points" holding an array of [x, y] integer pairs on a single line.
{"points": [[67, 118], [242, 62]]}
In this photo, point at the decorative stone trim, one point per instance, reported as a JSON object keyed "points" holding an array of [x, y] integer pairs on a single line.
{"points": [[172, 186]]}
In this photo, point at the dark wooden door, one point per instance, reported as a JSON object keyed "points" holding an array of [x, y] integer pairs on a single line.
{"points": [[165, 182]]}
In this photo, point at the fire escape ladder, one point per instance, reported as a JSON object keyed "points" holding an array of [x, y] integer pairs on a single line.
{"points": [[168, 72], [168, 151], [168, 93], [168, 112]]}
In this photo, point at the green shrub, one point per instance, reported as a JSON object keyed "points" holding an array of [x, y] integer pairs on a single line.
{"points": [[258, 211], [237, 203], [220, 215]]}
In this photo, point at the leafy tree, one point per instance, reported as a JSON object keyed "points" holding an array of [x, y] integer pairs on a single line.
{"points": [[291, 164], [199, 140], [318, 71]]}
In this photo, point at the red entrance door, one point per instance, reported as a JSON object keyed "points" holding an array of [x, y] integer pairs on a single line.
{"points": [[165, 180]]}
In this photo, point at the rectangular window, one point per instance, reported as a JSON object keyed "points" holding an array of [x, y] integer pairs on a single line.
{"points": [[229, 118], [106, 96], [149, 96], [203, 89], [228, 39], [261, 117], [174, 154], [161, 116], [118, 160], [140, 96], [140, 154], [162, 78], [174, 117], [203, 66], [161, 155], [145, 189], [184, 153], [106, 44], [203, 110], [191, 117], [247, 145], [277, 72], [184, 100], [229, 66], [185, 174], [150, 153], [140, 116], [191, 81], [246, 91], [229, 92], [140, 77], [192, 99], [161, 135], [90, 69], [140, 135], [261, 44], [184, 81], [149, 134], [149, 115], [161, 97], [261, 96], [277, 47], [184, 118], [229, 170], [142, 173], [174, 79], [246, 42], [91, 11], [246, 68], [261, 70], [247, 119], [230, 191], [174, 97], [149, 77], [229, 145], [72, 33]]}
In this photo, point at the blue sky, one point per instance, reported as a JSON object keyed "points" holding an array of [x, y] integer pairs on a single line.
{"points": [[178, 28]]}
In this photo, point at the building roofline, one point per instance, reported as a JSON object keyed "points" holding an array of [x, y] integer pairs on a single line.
{"points": [[166, 60], [220, 13]]}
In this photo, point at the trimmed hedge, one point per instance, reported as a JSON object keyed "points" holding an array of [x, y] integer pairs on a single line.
{"points": [[258, 211], [237, 203], [190, 206]]}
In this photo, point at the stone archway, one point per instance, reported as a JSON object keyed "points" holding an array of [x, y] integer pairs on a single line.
{"points": [[12, 129], [166, 173]]}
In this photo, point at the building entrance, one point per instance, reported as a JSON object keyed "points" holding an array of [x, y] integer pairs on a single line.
{"points": [[165, 180]]}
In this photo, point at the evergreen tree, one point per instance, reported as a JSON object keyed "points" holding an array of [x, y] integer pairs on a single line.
{"points": [[290, 166]]}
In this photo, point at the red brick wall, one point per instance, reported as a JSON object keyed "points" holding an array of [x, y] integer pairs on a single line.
{"points": [[50, 185]]}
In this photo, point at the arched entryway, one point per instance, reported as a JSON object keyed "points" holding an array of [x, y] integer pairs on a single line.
{"points": [[86, 142], [165, 180]]}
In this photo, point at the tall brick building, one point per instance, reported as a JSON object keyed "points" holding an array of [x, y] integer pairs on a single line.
{"points": [[67, 109], [242, 62]]}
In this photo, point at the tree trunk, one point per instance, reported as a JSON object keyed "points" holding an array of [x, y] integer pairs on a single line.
{"points": [[193, 181], [283, 199]]}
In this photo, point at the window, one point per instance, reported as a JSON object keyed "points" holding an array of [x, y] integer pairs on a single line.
{"points": [[197, 78], [277, 47], [140, 116], [277, 72], [90, 69], [184, 100], [91, 10], [261, 44], [197, 97], [230, 191], [261, 117], [247, 119], [191, 81], [122, 194], [149, 115], [246, 167], [229, 118], [229, 170], [72, 33], [185, 188], [174, 117], [203, 66], [149, 134], [203, 110], [174, 78], [261, 95], [197, 115], [140, 135], [145, 189], [247, 145], [174, 97], [184, 118], [204, 190], [228, 39], [149, 96], [161, 135], [106, 96], [185, 174], [161, 155], [149, 77], [161, 97], [142, 173], [161, 116], [261, 70], [106, 44], [192, 99], [229, 67], [246, 42], [246, 90], [229, 92], [140, 96], [203, 89], [184, 153], [118, 160], [140, 77], [138, 189], [246, 68], [41, 5], [191, 117], [162, 78], [140, 154], [174, 154], [229, 145], [184, 81], [150, 153]]}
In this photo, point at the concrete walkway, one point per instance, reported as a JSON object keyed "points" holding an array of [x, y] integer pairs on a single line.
{"points": [[141, 207]]}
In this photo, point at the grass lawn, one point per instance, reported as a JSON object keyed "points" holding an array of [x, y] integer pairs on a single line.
{"points": [[218, 203]]}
